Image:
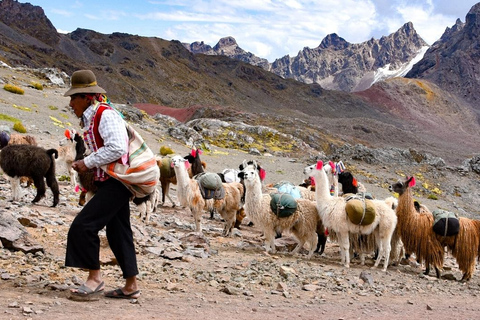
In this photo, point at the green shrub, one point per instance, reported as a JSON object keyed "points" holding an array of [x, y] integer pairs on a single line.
{"points": [[8, 118], [13, 89], [52, 108], [165, 150], [37, 86], [432, 197], [18, 126]]}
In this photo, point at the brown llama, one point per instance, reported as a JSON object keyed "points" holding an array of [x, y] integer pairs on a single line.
{"points": [[416, 229], [22, 160]]}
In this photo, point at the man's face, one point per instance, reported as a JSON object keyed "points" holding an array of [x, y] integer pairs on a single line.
{"points": [[79, 103]]}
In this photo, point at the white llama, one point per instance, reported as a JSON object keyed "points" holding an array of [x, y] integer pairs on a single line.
{"points": [[333, 214], [188, 191], [302, 223]]}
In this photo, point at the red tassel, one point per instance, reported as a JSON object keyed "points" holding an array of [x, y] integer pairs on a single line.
{"points": [[312, 181], [354, 182], [319, 165], [326, 232], [262, 174], [332, 165], [67, 134], [412, 182]]}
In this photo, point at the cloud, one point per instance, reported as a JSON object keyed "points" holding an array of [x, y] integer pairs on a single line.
{"points": [[63, 13]]}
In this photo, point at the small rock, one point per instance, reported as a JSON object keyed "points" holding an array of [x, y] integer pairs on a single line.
{"points": [[429, 308], [310, 287]]}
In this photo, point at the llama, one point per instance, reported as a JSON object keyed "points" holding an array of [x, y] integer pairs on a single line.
{"points": [[167, 173], [349, 183], [416, 227], [18, 160], [147, 206], [21, 139], [71, 148], [302, 223], [333, 214], [230, 207], [189, 195], [188, 190]]}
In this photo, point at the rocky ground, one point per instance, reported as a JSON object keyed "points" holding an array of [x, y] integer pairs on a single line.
{"points": [[184, 275]]}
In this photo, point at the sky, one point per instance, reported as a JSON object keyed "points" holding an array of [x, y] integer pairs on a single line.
{"points": [[269, 29]]}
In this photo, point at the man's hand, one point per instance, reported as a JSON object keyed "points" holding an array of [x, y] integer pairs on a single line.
{"points": [[80, 166]]}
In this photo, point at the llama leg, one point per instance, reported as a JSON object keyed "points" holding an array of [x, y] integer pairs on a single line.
{"points": [[387, 248], [313, 245], [40, 185], [229, 222], [171, 200], [16, 189], [270, 241], [53, 184], [73, 176], [299, 246], [345, 244], [196, 216]]}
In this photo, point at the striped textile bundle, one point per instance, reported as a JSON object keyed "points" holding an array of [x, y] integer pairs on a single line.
{"points": [[141, 174]]}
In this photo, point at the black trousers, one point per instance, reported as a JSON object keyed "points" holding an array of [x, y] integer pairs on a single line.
{"points": [[109, 208]]}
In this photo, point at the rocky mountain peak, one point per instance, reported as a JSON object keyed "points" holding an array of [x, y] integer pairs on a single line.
{"points": [[333, 41], [339, 65], [225, 43], [227, 46], [452, 62], [28, 19]]}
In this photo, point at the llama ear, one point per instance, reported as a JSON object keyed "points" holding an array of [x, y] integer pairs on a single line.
{"points": [[243, 165], [411, 182], [319, 165]]}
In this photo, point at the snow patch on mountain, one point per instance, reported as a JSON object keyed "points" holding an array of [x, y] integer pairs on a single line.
{"points": [[385, 72]]}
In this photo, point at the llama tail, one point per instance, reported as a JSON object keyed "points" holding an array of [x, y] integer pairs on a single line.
{"points": [[52, 151]]}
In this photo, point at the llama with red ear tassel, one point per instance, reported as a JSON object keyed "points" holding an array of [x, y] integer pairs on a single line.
{"points": [[418, 236], [333, 212], [167, 173]]}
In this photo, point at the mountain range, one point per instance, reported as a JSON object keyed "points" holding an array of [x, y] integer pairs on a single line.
{"points": [[335, 64], [434, 108]]}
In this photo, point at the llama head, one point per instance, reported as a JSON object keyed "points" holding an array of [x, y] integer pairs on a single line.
{"points": [[309, 171], [401, 186], [250, 175], [178, 162], [68, 136]]}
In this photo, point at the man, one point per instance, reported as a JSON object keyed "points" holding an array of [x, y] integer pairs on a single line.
{"points": [[107, 140]]}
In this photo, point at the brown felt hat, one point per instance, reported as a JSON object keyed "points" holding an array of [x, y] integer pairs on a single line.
{"points": [[83, 81]]}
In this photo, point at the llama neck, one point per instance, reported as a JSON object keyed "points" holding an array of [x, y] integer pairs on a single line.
{"points": [[253, 196], [322, 189], [405, 207], [183, 180]]}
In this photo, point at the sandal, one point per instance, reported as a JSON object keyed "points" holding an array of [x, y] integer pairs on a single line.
{"points": [[84, 293], [118, 294]]}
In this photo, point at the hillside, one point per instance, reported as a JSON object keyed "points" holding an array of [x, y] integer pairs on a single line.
{"points": [[140, 70], [210, 276]]}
